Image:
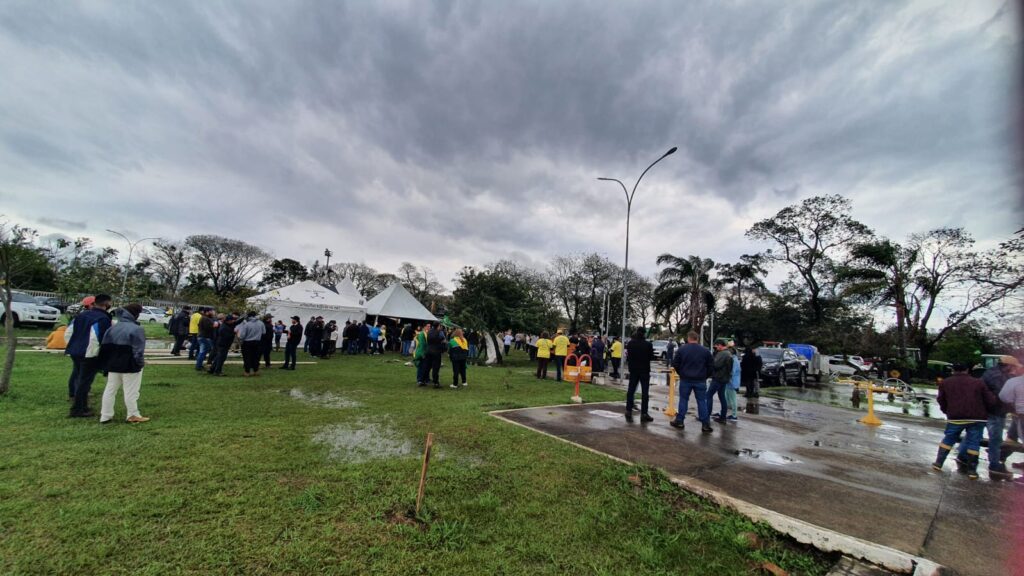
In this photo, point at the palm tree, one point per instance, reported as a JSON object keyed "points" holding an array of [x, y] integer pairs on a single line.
{"points": [[684, 282], [746, 273]]}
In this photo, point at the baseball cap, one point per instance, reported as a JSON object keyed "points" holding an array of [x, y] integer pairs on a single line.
{"points": [[88, 301]]}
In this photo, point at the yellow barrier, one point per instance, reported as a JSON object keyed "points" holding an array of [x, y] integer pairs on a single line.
{"points": [[672, 380]]}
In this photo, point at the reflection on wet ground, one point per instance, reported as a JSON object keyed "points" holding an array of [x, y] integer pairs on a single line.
{"points": [[922, 403], [325, 399], [362, 441], [793, 452]]}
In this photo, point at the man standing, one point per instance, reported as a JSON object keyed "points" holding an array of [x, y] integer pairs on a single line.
{"points": [[315, 336], [193, 333], [375, 340], [86, 336], [250, 332], [178, 327], [206, 328], [1013, 395], [225, 336], [419, 356], [597, 351], [436, 343], [561, 349], [616, 350], [124, 347], [291, 345], [639, 355], [543, 355], [966, 401], [721, 374], [309, 326], [995, 378], [693, 364], [408, 333], [87, 303], [750, 372]]}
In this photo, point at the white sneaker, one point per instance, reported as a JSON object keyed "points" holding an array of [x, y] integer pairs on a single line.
{"points": [[454, 386], [465, 383]]}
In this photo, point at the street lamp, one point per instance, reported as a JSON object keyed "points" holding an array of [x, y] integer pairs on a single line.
{"points": [[629, 206], [131, 248], [328, 254]]}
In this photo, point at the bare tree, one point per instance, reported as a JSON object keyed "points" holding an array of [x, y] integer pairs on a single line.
{"points": [[15, 242], [226, 263], [168, 261], [420, 282], [567, 282]]}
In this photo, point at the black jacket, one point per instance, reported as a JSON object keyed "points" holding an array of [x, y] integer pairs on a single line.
{"points": [[639, 354], [225, 334], [124, 345], [436, 342], [294, 333], [750, 366]]}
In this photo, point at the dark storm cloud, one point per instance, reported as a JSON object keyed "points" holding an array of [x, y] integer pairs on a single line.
{"points": [[389, 130]]}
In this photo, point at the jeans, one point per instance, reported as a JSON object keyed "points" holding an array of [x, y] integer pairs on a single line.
{"points": [[204, 348], [434, 364], [559, 362], [995, 426], [193, 346], [472, 350], [305, 345], [972, 440], [422, 370], [615, 367], [265, 349], [251, 356], [730, 399], [220, 355], [717, 389], [645, 391], [277, 341], [699, 388], [73, 378], [407, 344], [87, 370], [290, 352]]}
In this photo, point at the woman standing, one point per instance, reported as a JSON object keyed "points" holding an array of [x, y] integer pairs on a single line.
{"points": [[543, 355], [458, 352], [278, 332]]}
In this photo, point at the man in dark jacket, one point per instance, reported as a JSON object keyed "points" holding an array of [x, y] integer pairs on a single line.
{"points": [[123, 349], [86, 335], [750, 372], [267, 341], [178, 328], [205, 338], [315, 337], [693, 364], [292, 344], [966, 401], [639, 355], [721, 374], [222, 345], [436, 343], [309, 326], [364, 338]]}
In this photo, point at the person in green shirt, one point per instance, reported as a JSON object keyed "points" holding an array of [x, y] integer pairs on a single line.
{"points": [[420, 351], [543, 347]]}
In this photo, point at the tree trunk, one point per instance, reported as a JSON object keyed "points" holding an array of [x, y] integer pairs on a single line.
{"points": [[12, 343], [493, 349]]}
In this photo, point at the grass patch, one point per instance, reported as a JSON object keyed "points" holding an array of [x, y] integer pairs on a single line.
{"points": [[231, 477]]}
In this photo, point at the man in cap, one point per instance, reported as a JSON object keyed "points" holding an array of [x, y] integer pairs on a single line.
{"points": [[250, 332], [85, 336], [560, 347], [966, 401], [721, 376]]}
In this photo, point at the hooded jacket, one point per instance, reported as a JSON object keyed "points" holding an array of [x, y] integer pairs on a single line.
{"points": [[250, 330], [85, 334], [124, 345]]}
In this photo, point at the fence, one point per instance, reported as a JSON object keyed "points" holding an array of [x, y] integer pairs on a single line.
{"points": [[68, 299]]}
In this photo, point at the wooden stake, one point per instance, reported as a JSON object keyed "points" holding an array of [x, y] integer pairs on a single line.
{"points": [[423, 472]]}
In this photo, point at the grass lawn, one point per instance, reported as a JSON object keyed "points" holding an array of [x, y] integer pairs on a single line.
{"points": [[315, 471]]}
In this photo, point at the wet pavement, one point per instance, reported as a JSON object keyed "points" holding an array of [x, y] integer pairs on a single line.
{"points": [[815, 463]]}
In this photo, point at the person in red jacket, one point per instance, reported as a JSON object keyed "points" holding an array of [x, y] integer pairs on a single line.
{"points": [[966, 401]]}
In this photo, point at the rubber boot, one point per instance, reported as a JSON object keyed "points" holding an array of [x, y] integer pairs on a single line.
{"points": [[940, 458], [972, 464]]}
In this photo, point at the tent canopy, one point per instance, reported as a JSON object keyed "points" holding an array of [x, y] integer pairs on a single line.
{"points": [[396, 302], [309, 298], [346, 289]]}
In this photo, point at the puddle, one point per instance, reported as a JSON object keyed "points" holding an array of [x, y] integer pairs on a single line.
{"points": [[606, 414], [766, 456], [363, 441], [324, 399], [921, 403]]}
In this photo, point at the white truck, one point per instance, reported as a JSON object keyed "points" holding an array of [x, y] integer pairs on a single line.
{"points": [[27, 312]]}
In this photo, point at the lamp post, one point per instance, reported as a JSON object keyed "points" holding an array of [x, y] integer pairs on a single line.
{"points": [[328, 254], [131, 248], [629, 206]]}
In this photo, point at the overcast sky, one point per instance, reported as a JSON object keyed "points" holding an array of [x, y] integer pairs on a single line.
{"points": [[457, 133]]}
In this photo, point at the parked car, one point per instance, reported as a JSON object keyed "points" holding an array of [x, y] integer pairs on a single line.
{"points": [[51, 302], [152, 314], [781, 366], [845, 367], [26, 311], [660, 349]]}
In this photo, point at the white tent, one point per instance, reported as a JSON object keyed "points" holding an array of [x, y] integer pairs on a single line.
{"points": [[396, 302], [308, 298], [346, 289]]}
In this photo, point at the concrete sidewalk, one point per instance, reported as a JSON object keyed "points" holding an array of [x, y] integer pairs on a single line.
{"points": [[812, 471]]}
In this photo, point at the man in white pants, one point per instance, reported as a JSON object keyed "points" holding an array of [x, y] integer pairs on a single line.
{"points": [[122, 352]]}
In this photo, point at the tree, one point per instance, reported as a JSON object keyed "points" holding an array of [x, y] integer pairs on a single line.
{"points": [[16, 250], [368, 281], [420, 282], [743, 275], [225, 263], [283, 273], [808, 236], [882, 272], [684, 282], [567, 283], [168, 262], [85, 270]]}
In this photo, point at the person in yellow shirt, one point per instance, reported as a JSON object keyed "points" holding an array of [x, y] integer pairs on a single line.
{"points": [[543, 347], [561, 349], [616, 357], [193, 334], [55, 341]]}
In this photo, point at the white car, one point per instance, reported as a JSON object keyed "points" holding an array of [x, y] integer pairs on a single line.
{"points": [[27, 312], [837, 365], [857, 361], [151, 314]]}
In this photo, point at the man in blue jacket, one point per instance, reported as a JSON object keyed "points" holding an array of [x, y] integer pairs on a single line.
{"points": [[124, 347], [87, 331], [693, 363]]}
